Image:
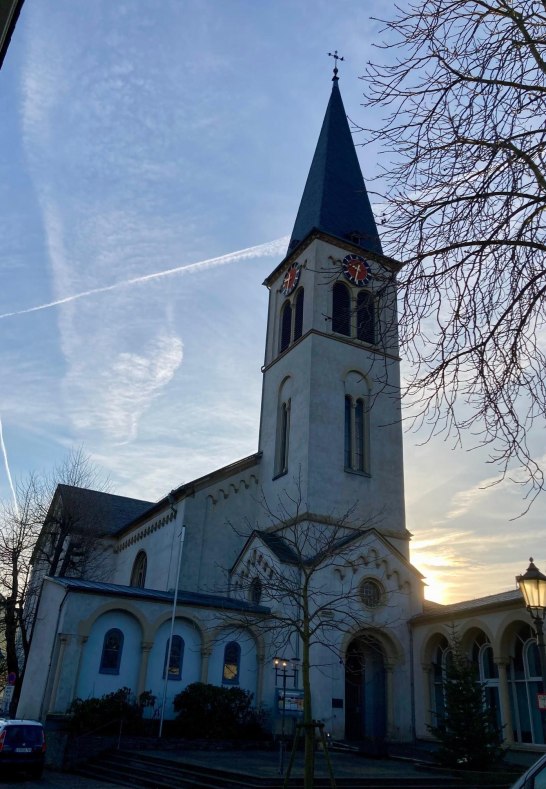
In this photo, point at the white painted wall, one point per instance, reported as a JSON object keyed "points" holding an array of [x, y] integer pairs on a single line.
{"points": [[93, 684], [248, 666], [191, 664]]}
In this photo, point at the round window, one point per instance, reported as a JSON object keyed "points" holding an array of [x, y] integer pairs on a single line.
{"points": [[371, 593]]}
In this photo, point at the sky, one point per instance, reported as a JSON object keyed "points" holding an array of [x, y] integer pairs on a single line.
{"points": [[152, 159]]}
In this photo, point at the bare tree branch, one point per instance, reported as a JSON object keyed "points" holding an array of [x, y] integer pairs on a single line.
{"points": [[464, 86]]}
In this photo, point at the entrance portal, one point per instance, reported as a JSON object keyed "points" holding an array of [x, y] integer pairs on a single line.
{"points": [[365, 703]]}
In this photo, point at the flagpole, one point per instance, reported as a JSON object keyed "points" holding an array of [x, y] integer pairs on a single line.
{"points": [[173, 617]]}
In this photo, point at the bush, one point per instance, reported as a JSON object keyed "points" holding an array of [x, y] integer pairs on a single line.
{"points": [[217, 713], [106, 712]]}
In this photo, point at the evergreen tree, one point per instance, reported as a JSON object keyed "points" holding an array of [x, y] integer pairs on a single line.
{"points": [[469, 734]]}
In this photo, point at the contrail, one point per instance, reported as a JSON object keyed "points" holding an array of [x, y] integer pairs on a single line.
{"points": [[268, 249], [8, 472]]}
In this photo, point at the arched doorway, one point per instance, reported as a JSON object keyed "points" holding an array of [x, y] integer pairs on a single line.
{"points": [[365, 701]]}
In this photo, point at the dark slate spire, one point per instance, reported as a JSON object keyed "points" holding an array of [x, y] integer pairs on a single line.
{"points": [[335, 198]]}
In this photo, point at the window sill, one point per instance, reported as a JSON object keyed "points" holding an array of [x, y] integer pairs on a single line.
{"points": [[280, 474], [357, 472]]}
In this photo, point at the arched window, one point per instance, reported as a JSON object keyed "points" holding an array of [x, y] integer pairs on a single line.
{"points": [[232, 662], [348, 431], [355, 434], [112, 647], [341, 309], [440, 658], [365, 317], [256, 591], [487, 673], [298, 316], [138, 574], [286, 326], [525, 681], [282, 439], [176, 658]]}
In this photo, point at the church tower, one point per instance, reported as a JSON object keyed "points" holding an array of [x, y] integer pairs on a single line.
{"points": [[331, 389]]}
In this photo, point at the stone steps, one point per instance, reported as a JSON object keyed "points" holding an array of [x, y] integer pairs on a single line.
{"points": [[150, 771]]}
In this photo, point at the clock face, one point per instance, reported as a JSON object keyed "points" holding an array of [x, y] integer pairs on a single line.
{"points": [[357, 270], [291, 279]]}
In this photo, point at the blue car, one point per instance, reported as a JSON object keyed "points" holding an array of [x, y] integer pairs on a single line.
{"points": [[22, 746]]}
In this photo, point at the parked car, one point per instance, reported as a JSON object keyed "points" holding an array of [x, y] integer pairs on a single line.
{"points": [[534, 778], [22, 746]]}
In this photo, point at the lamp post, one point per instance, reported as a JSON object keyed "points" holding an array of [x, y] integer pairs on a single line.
{"points": [[281, 666], [532, 585]]}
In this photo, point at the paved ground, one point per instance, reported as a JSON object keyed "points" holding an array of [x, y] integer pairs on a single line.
{"points": [[54, 780], [257, 763]]}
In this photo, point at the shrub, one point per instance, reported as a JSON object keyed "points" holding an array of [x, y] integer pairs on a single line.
{"points": [[106, 712], [212, 712]]}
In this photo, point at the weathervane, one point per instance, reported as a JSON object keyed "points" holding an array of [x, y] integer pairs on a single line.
{"points": [[336, 58]]}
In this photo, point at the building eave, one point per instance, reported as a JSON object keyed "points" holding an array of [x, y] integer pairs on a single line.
{"points": [[193, 487]]}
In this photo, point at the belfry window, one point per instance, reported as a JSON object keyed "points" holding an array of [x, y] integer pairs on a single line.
{"points": [[138, 574], [286, 326], [355, 434], [112, 647], [354, 313], [341, 309], [291, 324], [365, 317]]}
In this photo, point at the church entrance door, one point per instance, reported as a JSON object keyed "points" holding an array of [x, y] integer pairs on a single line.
{"points": [[365, 703]]}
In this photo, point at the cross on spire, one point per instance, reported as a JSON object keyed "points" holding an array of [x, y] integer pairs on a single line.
{"points": [[336, 58]]}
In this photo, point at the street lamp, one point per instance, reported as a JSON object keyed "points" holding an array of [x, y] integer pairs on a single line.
{"points": [[281, 666], [533, 588]]}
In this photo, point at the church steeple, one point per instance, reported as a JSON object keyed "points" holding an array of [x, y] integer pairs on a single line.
{"points": [[335, 198]]}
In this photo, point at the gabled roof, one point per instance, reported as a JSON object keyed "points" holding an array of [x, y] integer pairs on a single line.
{"points": [[286, 554], [134, 592], [335, 198], [97, 511]]}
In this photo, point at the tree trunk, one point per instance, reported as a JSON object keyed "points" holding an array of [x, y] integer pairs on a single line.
{"points": [[309, 731]]}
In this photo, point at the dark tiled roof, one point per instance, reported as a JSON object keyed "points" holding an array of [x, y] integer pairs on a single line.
{"points": [[280, 547], [335, 198], [184, 597], [9, 14], [99, 512]]}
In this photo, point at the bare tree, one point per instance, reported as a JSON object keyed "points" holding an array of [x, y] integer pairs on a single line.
{"points": [[464, 87], [66, 544], [40, 535], [308, 571], [18, 534]]}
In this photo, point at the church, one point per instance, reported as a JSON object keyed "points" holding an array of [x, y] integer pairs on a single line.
{"points": [[206, 584]]}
